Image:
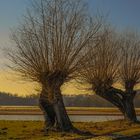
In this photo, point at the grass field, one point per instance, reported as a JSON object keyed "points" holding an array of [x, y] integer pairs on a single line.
{"points": [[33, 130]]}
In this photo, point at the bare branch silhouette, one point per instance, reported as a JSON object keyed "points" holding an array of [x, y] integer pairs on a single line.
{"points": [[113, 59], [48, 48], [101, 63], [130, 64]]}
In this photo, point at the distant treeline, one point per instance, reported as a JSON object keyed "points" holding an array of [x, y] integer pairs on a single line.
{"points": [[10, 99], [69, 100]]}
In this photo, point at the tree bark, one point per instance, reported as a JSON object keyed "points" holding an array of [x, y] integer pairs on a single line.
{"points": [[62, 117], [130, 113], [122, 100], [63, 120], [129, 109], [48, 111]]}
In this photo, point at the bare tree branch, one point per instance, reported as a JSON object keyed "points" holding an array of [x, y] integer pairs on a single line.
{"points": [[130, 64]]}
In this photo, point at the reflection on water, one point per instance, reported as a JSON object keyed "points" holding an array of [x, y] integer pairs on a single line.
{"points": [[74, 118]]}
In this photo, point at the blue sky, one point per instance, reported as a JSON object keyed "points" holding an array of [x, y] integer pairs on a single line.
{"points": [[10, 11], [122, 13]]}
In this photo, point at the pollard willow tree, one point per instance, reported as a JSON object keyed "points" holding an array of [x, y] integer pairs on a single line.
{"points": [[129, 72], [48, 47], [113, 60]]}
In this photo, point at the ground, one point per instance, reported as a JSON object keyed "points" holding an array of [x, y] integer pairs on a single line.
{"points": [[33, 130]]}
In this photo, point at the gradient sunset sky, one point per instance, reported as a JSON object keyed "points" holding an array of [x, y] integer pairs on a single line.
{"points": [[122, 14]]}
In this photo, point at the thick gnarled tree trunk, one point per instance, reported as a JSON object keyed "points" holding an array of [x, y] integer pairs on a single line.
{"points": [[55, 113], [122, 100], [129, 109], [62, 117], [48, 111]]}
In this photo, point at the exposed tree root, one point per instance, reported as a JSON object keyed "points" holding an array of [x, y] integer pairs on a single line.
{"points": [[80, 132], [72, 130]]}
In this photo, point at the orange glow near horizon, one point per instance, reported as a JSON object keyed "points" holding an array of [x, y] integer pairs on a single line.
{"points": [[11, 84]]}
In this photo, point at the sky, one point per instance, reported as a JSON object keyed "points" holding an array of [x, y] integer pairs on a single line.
{"points": [[121, 13]]}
